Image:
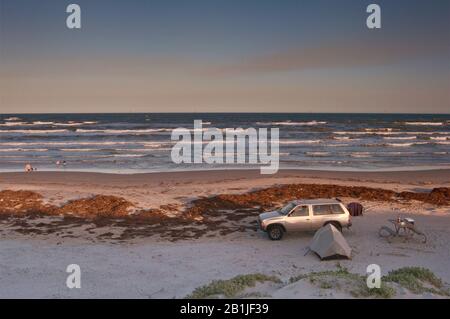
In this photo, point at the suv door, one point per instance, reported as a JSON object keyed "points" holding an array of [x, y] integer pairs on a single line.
{"points": [[321, 214], [298, 219]]}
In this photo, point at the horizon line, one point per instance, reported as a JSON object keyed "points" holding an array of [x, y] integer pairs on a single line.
{"points": [[393, 113]]}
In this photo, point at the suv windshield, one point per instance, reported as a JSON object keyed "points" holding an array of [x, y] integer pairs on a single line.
{"points": [[286, 209]]}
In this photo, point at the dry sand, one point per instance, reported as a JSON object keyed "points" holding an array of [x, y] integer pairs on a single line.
{"points": [[34, 252]]}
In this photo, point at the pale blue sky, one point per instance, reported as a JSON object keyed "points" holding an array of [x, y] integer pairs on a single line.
{"points": [[225, 55]]}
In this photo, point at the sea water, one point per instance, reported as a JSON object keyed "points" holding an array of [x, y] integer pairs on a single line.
{"points": [[135, 143]]}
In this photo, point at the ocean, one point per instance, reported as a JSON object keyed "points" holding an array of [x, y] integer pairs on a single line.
{"points": [[136, 143]]}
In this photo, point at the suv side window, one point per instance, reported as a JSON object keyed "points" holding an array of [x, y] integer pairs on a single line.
{"points": [[337, 209], [322, 210], [300, 211]]}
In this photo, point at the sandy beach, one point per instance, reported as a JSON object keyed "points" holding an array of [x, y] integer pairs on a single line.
{"points": [[161, 235]]}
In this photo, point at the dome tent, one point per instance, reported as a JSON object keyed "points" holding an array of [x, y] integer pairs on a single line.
{"points": [[329, 243]]}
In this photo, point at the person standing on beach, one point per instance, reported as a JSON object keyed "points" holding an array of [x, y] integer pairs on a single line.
{"points": [[61, 163]]}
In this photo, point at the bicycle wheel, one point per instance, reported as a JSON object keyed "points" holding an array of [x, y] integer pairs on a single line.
{"points": [[385, 232]]}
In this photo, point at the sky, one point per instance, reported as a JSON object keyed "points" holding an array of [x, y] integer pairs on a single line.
{"points": [[225, 56]]}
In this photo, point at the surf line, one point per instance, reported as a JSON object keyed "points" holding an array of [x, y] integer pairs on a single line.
{"points": [[211, 146]]}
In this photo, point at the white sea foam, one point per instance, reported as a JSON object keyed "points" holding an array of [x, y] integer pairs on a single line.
{"points": [[399, 144], [383, 129], [360, 133], [406, 144], [13, 124], [290, 123], [424, 123], [125, 131], [440, 138], [337, 145], [156, 147], [23, 149], [80, 149], [426, 133], [32, 131], [80, 143], [252, 153], [387, 133], [341, 138], [288, 142], [360, 154], [75, 123], [42, 123], [400, 137], [345, 138]]}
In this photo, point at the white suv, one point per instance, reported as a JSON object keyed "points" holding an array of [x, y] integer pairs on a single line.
{"points": [[304, 215]]}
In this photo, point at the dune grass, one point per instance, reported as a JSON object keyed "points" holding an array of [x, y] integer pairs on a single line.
{"points": [[342, 279], [417, 280], [232, 287]]}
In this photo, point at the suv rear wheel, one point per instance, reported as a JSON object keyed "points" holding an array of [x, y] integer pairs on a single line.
{"points": [[275, 232], [335, 224]]}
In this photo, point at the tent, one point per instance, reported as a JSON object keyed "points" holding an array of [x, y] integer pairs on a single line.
{"points": [[329, 243]]}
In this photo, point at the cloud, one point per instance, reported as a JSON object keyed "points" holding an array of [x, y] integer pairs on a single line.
{"points": [[337, 55]]}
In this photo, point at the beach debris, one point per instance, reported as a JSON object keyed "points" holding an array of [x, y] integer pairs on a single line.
{"points": [[97, 206], [23, 202], [438, 196], [268, 198], [329, 243], [31, 203]]}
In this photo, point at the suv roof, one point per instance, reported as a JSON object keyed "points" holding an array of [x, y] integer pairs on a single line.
{"points": [[316, 201]]}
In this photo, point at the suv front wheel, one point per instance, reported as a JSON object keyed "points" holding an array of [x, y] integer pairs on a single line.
{"points": [[275, 232]]}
